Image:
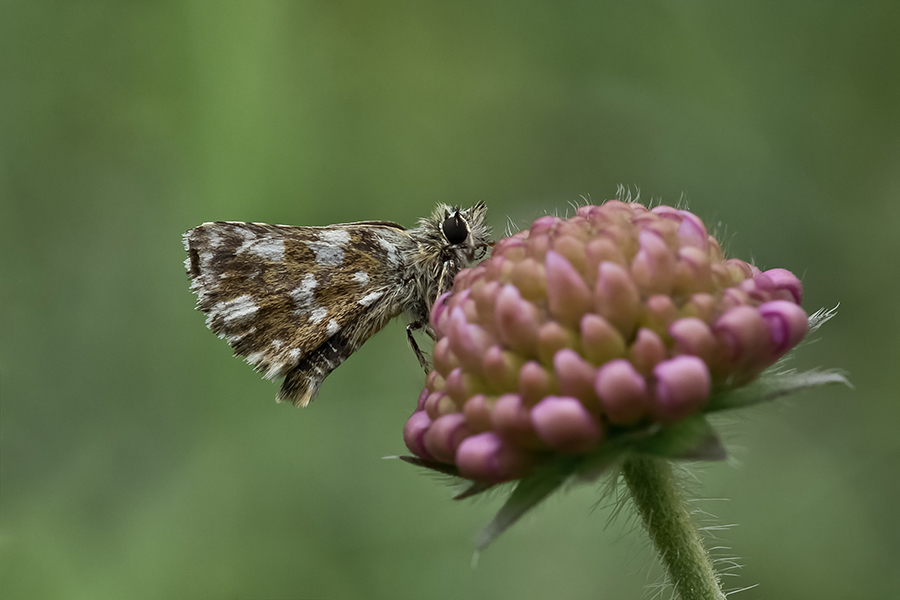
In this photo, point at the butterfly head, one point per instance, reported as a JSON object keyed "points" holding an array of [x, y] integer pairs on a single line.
{"points": [[461, 233]]}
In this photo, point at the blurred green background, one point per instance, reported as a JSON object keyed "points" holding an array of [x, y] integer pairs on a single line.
{"points": [[139, 460]]}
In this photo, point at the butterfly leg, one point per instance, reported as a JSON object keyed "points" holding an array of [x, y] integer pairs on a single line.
{"points": [[412, 342], [445, 280]]}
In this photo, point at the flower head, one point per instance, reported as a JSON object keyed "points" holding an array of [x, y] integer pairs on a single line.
{"points": [[580, 330]]}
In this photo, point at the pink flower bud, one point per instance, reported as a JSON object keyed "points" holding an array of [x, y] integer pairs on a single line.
{"points": [[653, 267], [499, 268], [434, 382], [622, 392], [682, 387], [721, 276], [439, 404], [787, 324], [468, 342], [692, 231], [528, 279], [575, 377], [786, 282], [617, 297], [434, 404], [511, 248], [553, 337], [565, 425], [415, 428], [600, 340], [444, 359], [459, 386], [647, 350], [667, 212], [420, 404], [477, 411], [616, 210], [486, 457], [535, 382], [625, 237], [501, 368], [692, 272], [587, 211], [537, 248], [598, 250], [738, 270], [485, 299], [759, 289], [517, 320], [572, 248], [693, 336], [471, 276], [444, 436], [568, 295], [439, 311], [735, 297], [744, 335], [544, 224], [511, 418], [702, 306], [468, 308], [575, 227], [661, 311]]}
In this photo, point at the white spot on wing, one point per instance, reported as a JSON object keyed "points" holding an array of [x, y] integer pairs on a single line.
{"points": [[332, 328], [329, 248], [270, 250], [391, 249], [255, 358], [249, 237], [317, 315], [371, 297], [303, 293], [294, 354], [239, 309], [338, 237], [361, 278], [327, 255], [275, 370]]}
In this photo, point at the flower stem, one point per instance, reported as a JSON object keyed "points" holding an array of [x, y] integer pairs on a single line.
{"points": [[656, 495]]}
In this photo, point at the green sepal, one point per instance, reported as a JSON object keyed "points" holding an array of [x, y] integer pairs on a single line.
{"points": [[431, 465], [528, 493], [771, 386]]}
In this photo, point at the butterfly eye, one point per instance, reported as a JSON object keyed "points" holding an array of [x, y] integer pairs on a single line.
{"points": [[455, 228]]}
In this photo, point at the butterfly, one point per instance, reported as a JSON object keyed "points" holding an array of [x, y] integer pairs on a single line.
{"points": [[296, 302]]}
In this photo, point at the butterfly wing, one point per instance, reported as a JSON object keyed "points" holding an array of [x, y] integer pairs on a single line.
{"points": [[295, 301]]}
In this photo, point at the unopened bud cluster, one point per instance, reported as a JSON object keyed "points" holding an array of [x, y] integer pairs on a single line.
{"points": [[577, 329]]}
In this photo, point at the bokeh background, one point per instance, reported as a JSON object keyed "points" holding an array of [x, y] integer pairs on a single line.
{"points": [[139, 460]]}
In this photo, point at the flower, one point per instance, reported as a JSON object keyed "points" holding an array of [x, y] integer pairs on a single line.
{"points": [[578, 331]]}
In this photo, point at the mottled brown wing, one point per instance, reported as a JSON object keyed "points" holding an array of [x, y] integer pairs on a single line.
{"points": [[293, 300]]}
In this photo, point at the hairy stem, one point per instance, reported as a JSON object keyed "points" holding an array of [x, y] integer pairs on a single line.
{"points": [[658, 499]]}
